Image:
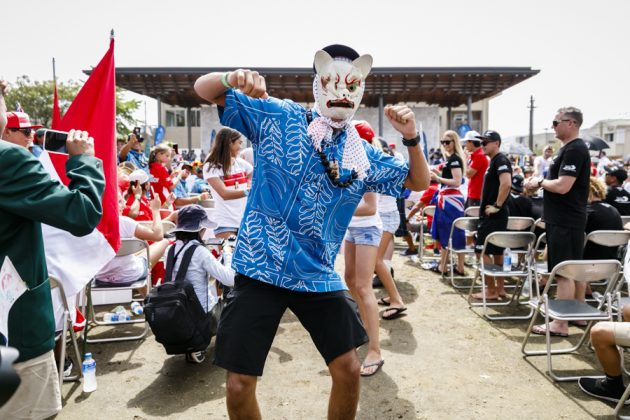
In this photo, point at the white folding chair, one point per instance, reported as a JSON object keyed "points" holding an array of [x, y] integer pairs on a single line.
{"points": [[472, 211], [572, 310], [607, 238], [127, 247], [67, 328], [519, 223], [524, 240], [422, 257], [467, 224]]}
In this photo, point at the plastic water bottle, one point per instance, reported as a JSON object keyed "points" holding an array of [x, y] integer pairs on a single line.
{"points": [[136, 308], [507, 259], [88, 367]]}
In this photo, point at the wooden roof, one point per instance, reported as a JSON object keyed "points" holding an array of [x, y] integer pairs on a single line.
{"points": [[443, 86]]}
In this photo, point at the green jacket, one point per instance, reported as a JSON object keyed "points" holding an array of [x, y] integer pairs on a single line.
{"points": [[29, 197]]}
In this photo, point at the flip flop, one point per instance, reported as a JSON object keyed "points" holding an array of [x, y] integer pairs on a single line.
{"points": [[378, 365], [398, 312], [541, 330], [436, 269], [382, 302]]}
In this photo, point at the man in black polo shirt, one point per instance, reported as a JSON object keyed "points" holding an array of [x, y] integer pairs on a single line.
{"points": [[565, 197], [493, 215], [616, 195]]}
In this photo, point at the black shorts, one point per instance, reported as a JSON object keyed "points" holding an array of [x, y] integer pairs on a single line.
{"points": [[485, 227], [471, 202], [563, 244], [252, 313]]}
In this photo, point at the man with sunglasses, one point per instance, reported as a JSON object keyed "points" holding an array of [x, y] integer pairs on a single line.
{"points": [[19, 129], [493, 214], [28, 198], [566, 193]]}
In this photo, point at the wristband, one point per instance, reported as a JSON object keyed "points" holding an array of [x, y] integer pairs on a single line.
{"points": [[411, 142], [495, 205], [138, 196], [245, 193], [199, 198], [224, 81], [540, 182]]}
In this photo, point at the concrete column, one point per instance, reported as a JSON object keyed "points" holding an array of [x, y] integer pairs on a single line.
{"points": [[469, 110], [449, 117], [188, 129], [380, 115], [159, 103]]}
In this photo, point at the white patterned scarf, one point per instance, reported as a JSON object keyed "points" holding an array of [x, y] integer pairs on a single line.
{"points": [[354, 156]]}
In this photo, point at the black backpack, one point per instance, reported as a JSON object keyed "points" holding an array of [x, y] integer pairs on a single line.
{"points": [[174, 312]]}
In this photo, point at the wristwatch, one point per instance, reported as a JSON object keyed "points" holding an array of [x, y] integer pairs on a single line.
{"points": [[411, 142]]}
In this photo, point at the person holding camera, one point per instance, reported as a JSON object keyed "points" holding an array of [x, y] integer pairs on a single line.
{"points": [[28, 198], [133, 151]]}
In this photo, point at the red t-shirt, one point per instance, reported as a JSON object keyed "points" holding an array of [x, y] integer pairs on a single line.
{"points": [[479, 162], [163, 183], [144, 212]]}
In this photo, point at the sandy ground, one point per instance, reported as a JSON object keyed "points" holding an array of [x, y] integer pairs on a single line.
{"points": [[442, 361]]}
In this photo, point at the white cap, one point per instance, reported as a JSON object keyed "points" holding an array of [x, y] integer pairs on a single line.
{"points": [[139, 175], [471, 135]]}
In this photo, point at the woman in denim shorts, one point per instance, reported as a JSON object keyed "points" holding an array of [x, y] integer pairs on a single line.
{"points": [[390, 219], [360, 251]]}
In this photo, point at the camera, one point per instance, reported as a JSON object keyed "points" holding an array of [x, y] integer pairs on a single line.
{"points": [[138, 132]]}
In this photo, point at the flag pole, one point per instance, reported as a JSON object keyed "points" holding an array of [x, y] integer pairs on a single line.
{"points": [[111, 34], [54, 71]]}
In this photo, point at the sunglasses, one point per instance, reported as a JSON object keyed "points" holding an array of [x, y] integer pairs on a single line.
{"points": [[556, 123], [26, 131], [446, 142], [485, 142]]}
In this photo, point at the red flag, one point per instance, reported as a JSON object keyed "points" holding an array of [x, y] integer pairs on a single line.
{"points": [[56, 115], [94, 110]]}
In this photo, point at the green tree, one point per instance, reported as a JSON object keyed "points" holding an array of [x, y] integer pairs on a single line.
{"points": [[36, 98]]}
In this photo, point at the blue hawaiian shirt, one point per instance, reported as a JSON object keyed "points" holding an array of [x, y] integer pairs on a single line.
{"points": [[295, 217]]}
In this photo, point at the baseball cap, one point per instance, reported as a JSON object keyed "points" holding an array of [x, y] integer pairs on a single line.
{"points": [[471, 135], [490, 135], [618, 173], [139, 175], [20, 120], [517, 183], [185, 164], [193, 218], [365, 130]]}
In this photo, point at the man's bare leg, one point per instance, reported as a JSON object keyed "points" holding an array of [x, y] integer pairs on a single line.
{"points": [[241, 397], [344, 393], [491, 286], [565, 291]]}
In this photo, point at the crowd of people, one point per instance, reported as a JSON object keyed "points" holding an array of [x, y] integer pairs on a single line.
{"points": [[315, 181]]}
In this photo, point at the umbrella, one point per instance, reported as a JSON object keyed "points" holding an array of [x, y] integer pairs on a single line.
{"points": [[595, 143]]}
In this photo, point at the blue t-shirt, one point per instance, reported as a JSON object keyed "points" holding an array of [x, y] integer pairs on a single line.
{"points": [[199, 186], [295, 217], [180, 190]]}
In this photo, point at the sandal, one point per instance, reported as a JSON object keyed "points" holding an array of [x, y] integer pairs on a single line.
{"points": [[542, 330], [383, 302], [395, 313], [378, 365]]}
